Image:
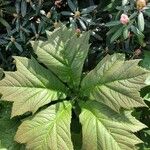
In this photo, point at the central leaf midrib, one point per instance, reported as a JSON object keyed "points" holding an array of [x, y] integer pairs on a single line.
{"points": [[99, 120], [54, 56], [28, 87], [130, 96], [50, 123], [99, 84], [33, 74]]}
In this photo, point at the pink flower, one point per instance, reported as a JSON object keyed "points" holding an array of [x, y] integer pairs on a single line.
{"points": [[124, 19], [78, 30]]}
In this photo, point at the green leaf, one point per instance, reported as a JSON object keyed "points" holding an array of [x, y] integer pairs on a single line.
{"points": [[83, 25], [105, 129], [147, 97], [1, 73], [135, 14], [2, 147], [8, 128], [138, 33], [116, 82], [146, 60], [125, 2], [9, 45], [88, 9], [141, 22], [48, 130], [147, 12], [18, 46], [23, 8], [64, 54], [30, 87], [112, 30], [67, 13], [117, 34], [146, 64], [112, 23], [125, 33], [5, 23], [72, 6], [148, 132]]}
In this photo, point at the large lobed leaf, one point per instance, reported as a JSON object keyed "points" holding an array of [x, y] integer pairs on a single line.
{"points": [[48, 130], [105, 129], [116, 82], [113, 84], [30, 87], [64, 53]]}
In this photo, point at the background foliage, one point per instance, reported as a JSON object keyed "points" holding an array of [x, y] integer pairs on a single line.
{"points": [[24, 20]]}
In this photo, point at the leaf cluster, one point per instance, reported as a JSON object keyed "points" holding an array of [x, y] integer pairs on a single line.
{"points": [[60, 94]]}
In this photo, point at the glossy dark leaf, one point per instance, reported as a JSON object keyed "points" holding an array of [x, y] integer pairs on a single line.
{"points": [[18, 46], [83, 25], [112, 23], [88, 9], [72, 6], [116, 35], [67, 13], [141, 22], [23, 8]]}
